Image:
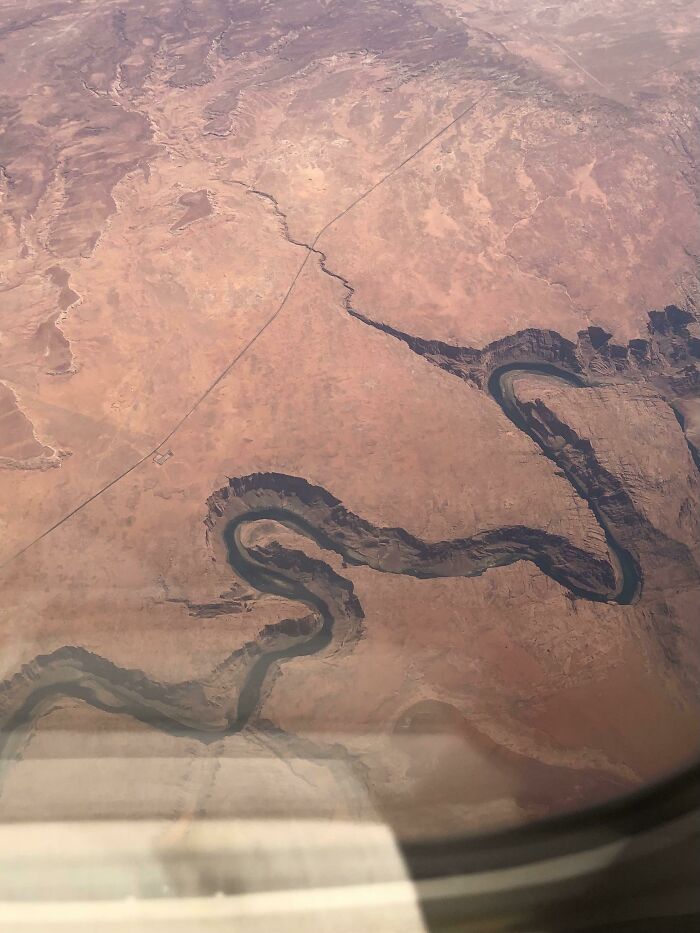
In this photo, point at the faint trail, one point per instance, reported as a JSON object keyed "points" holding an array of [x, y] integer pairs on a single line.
{"points": [[398, 167], [574, 62], [224, 373]]}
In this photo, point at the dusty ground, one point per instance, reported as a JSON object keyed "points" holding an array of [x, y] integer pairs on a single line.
{"points": [[195, 198]]}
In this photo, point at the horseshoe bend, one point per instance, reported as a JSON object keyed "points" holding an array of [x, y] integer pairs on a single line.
{"points": [[349, 412]]}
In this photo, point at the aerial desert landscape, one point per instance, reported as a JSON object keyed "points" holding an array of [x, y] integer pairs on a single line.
{"points": [[349, 408]]}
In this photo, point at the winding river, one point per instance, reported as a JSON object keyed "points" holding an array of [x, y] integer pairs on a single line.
{"points": [[183, 708], [270, 580], [500, 387]]}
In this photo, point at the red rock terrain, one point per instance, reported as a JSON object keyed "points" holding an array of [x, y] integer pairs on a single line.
{"points": [[349, 387]]}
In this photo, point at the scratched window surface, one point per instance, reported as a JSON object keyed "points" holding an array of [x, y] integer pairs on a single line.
{"points": [[349, 409]]}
